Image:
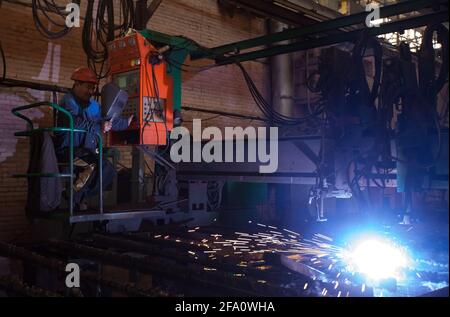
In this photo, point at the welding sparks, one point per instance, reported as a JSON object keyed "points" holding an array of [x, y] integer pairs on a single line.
{"points": [[317, 251], [292, 232], [323, 237], [377, 259]]}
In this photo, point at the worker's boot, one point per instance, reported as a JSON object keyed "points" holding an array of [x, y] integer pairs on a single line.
{"points": [[84, 175]]}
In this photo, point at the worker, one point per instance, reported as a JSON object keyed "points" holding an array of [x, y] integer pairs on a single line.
{"points": [[86, 113]]}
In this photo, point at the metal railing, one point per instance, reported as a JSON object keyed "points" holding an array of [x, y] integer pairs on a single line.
{"points": [[71, 130]]}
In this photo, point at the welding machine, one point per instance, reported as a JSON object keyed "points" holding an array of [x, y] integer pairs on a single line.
{"points": [[136, 67]]}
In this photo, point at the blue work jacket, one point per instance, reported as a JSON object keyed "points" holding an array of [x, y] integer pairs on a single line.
{"points": [[86, 117]]}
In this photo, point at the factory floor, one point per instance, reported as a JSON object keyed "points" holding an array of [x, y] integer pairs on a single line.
{"points": [[247, 258]]}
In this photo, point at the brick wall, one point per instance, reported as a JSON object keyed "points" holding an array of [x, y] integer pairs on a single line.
{"points": [[31, 57]]}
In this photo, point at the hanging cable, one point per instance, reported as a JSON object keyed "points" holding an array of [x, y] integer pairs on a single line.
{"points": [[267, 109], [101, 29], [436, 84], [3, 62], [358, 55], [43, 7]]}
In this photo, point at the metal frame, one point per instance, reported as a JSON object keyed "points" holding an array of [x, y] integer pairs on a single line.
{"points": [[71, 130], [123, 215], [397, 26], [333, 26], [101, 216], [268, 9]]}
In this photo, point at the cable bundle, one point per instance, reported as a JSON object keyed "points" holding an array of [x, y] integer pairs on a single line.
{"points": [[358, 54], [44, 7], [102, 29], [267, 109], [434, 86], [3, 62]]}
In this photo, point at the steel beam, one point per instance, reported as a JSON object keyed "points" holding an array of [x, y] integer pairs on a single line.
{"points": [[9, 82], [143, 13], [214, 280], [16, 286], [397, 26], [226, 114], [310, 9], [177, 252], [270, 10], [25, 255], [116, 216], [326, 26]]}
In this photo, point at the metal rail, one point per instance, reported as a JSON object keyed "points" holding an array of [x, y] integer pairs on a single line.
{"points": [[71, 130]]}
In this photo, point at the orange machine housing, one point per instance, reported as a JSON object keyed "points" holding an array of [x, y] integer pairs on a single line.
{"points": [[131, 69]]}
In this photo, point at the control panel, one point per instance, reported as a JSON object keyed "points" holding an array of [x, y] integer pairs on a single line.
{"points": [[134, 68]]}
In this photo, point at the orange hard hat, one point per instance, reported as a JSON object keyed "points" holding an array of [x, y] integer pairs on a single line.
{"points": [[84, 74]]}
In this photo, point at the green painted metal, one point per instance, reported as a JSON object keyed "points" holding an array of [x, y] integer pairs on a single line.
{"points": [[42, 175], [179, 42], [176, 73], [299, 32], [30, 132], [196, 51], [17, 112], [181, 47], [411, 23]]}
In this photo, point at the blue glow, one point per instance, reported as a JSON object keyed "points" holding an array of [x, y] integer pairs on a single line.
{"points": [[377, 258]]}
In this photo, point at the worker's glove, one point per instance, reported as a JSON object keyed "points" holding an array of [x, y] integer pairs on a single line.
{"points": [[107, 126]]}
